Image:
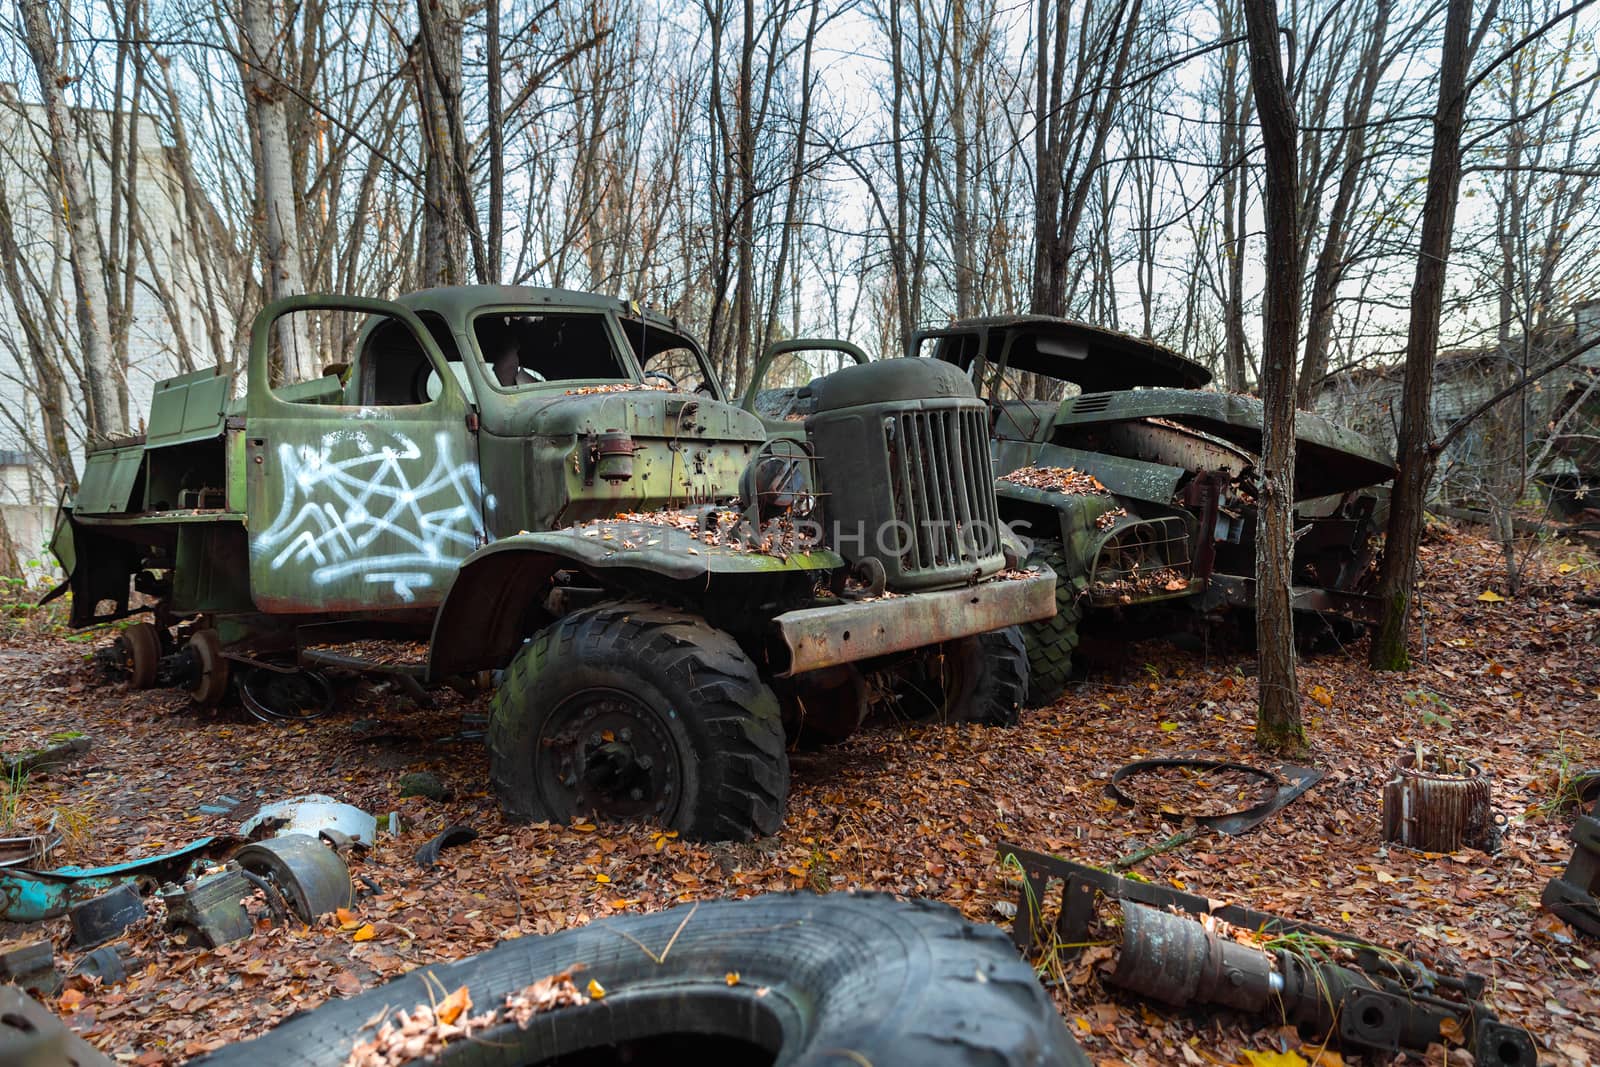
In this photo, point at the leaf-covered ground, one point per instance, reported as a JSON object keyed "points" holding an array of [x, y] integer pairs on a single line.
{"points": [[910, 809]]}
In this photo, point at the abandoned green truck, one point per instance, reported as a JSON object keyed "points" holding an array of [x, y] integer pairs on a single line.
{"points": [[551, 483]]}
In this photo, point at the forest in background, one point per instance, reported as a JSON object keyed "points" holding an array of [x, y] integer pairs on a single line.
{"points": [[765, 170]]}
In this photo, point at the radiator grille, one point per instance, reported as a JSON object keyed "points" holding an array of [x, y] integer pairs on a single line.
{"points": [[943, 488]]}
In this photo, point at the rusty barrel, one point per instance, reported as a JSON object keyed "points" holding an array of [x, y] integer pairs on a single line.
{"points": [[1438, 811]]}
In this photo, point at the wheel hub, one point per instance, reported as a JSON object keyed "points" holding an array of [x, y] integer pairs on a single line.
{"points": [[605, 753]]}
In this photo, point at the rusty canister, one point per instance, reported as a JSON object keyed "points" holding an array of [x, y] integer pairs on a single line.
{"points": [[1437, 810]]}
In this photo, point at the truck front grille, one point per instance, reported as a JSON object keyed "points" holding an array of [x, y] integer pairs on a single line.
{"points": [[943, 488]]}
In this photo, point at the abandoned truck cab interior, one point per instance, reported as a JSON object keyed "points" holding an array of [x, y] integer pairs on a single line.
{"points": [[1137, 484], [551, 484]]}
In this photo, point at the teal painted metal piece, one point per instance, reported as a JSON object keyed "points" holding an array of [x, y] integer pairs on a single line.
{"points": [[29, 896]]}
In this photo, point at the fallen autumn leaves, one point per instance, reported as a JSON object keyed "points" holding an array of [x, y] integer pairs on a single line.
{"points": [[910, 809]]}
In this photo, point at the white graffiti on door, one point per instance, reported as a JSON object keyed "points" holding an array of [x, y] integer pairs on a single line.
{"points": [[368, 489]]}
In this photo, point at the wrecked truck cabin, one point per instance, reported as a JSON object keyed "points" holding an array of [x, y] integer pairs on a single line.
{"points": [[1163, 530], [551, 484]]}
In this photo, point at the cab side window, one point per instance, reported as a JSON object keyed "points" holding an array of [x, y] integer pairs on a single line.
{"points": [[394, 368]]}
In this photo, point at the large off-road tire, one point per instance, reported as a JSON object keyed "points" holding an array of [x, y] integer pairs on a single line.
{"points": [[1051, 642], [994, 681], [634, 711], [793, 978], [980, 679]]}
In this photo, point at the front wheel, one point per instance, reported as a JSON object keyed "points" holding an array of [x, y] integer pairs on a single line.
{"points": [[1051, 642], [634, 712]]}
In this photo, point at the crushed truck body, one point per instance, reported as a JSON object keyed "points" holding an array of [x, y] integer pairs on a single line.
{"points": [[1161, 523]]}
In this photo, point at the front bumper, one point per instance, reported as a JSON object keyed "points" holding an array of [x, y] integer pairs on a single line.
{"points": [[848, 633]]}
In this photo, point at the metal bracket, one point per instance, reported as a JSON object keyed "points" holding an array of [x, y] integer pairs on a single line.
{"points": [[1385, 1003]]}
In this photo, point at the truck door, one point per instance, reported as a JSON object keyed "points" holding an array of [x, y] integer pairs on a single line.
{"points": [[366, 496]]}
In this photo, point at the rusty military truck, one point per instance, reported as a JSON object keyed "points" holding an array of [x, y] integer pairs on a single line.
{"points": [[1137, 484], [551, 484]]}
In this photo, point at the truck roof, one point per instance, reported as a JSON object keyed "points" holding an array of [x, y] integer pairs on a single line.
{"points": [[456, 301]]}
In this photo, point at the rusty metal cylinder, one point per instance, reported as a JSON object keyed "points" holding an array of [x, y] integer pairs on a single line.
{"points": [[1175, 960], [1438, 811], [614, 456]]}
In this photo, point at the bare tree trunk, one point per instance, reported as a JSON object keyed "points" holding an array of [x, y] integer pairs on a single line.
{"points": [[105, 414], [744, 292], [1330, 260], [497, 153], [1235, 195], [449, 216], [10, 565], [1398, 577], [261, 61], [791, 205], [1278, 727], [1071, 136]]}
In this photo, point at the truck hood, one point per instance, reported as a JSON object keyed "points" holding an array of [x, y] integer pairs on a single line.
{"points": [[640, 411], [1329, 458]]}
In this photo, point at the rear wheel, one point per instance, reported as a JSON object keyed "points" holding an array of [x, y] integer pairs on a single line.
{"points": [[140, 645], [1051, 642], [637, 712], [209, 671]]}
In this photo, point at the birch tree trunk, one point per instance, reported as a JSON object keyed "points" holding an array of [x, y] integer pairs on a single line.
{"points": [[1278, 727], [444, 226], [261, 67], [105, 414]]}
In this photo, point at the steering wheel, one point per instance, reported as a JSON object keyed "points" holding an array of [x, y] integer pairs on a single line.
{"points": [[664, 376]]}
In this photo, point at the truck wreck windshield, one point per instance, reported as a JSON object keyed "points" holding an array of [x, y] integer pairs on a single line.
{"points": [[525, 349]]}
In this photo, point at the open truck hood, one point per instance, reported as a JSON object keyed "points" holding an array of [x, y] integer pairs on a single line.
{"points": [[1329, 458]]}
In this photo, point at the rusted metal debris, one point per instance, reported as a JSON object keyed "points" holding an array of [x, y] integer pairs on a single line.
{"points": [[1439, 809], [1574, 895], [307, 874], [311, 814], [449, 837], [1371, 999], [31, 966], [1288, 781], [102, 918], [30, 1034], [210, 910]]}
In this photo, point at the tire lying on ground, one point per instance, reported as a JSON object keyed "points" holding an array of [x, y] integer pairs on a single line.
{"points": [[781, 979]]}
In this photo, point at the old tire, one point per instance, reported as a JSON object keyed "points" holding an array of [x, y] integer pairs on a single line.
{"points": [[633, 711], [1051, 642], [141, 650], [994, 680], [792, 978]]}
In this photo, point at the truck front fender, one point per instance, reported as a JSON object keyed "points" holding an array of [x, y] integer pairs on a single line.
{"points": [[496, 596], [1105, 556]]}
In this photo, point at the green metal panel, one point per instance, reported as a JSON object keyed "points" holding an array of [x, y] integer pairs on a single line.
{"points": [[211, 569], [188, 408], [108, 480]]}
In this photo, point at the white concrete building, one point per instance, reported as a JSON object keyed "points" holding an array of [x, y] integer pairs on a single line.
{"points": [[29, 489]]}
